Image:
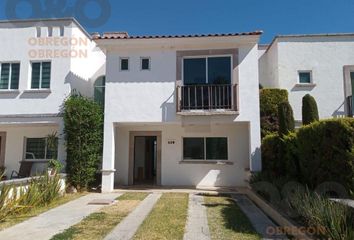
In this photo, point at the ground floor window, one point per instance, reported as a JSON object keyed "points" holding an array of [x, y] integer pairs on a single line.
{"points": [[205, 148], [37, 149]]}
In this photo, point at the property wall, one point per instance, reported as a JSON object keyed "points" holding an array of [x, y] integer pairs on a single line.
{"points": [[14, 151], [326, 57], [174, 172], [67, 72]]}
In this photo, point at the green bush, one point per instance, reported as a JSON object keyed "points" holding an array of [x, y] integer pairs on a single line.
{"points": [[286, 118], [326, 152], [331, 220], [309, 110], [269, 100], [83, 119]]}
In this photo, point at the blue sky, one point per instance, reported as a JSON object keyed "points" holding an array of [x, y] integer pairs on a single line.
{"points": [[151, 17]]}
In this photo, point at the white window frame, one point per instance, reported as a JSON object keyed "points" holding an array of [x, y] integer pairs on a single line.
{"points": [[10, 75], [141, 63], [40, 74], [120, 64], [206, 68], [304, 71], [205, 149], [37, 159]]}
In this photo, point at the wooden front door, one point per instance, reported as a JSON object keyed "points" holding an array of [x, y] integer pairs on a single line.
{"points": [[2, 148]]}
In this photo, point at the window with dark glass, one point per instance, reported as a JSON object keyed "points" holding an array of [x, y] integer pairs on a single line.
{"points": [[41, 73], [210, 148], [99, 90], [305, 77], [193, 149], [37, 149], [10, 75], [207, 70], [145, 63], [124, 64]]}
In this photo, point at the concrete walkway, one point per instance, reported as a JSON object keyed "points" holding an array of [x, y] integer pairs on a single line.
{"points": [[128, 227], [258, 219], [56, 220], [197, 223]]}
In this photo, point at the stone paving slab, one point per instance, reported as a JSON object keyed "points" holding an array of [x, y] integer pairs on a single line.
{"points": [[259, 220], [197, 222], [126, 229], [56, 220]]}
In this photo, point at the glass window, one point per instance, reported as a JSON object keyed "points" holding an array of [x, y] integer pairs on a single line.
{"points": [[207, 70], [209, 148], [41, 72], [10, 75], [124, 64], [99, 90], [194, 71], [216, 149], [193, 148], [219, 70], [37, 149], [304, 77], [145, 64]]}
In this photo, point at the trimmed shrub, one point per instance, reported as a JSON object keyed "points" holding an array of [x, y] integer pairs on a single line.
{"points": [[83, 119], [309, 110], [326, 152], [286, 118], [269, 100]]}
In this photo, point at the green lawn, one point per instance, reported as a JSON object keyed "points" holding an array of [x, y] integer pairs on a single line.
{"points": [[227, 221], [167, 220], [15, 219], [98, 225]]}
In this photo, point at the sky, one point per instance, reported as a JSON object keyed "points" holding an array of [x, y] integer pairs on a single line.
{"points": [[157, 17]]}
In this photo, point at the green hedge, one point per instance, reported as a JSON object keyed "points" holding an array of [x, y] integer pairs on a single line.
{"points": [[83, 120], [309, 110], [269, 101], [286, 118], [319, 152]]}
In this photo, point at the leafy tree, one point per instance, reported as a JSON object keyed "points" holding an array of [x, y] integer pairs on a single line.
{"points": [[83, 120], [309, 110], [286, 118]]}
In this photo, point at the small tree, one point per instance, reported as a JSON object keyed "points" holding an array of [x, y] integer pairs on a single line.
{"points": [[83, 120], [309, 110], [286, 118]]}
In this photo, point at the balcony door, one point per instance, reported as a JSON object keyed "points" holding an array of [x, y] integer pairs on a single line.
{"points": [[207, 83]]}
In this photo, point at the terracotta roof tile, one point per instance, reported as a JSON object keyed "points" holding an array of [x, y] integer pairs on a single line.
{"points": [[125, 35]]}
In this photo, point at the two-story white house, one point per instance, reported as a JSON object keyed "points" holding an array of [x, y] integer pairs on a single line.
{"points": [[180, 110], [318, 64], [41, 62]]}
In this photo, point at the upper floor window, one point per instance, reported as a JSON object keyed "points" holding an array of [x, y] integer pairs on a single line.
{"points": [[10, 76], [61, 31], [41, 72], [305, 77], [207, 70], [38, 149], [99, 90], [124, 64], [38, 32], [145, 63], [50, 31]]}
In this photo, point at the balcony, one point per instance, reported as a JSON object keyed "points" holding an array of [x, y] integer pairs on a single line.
{"points": [[207, 99]]}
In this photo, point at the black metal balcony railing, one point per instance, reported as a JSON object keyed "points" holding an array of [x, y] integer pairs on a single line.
{"points": [[207, 97], [350, 106]]}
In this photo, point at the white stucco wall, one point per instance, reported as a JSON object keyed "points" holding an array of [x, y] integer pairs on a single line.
{"points": [[325, 57], [137, 96], [186, 174]]}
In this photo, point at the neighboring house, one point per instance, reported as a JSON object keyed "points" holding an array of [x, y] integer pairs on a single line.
{"points": [[321, 65], [181, 110], [41, 62]]}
